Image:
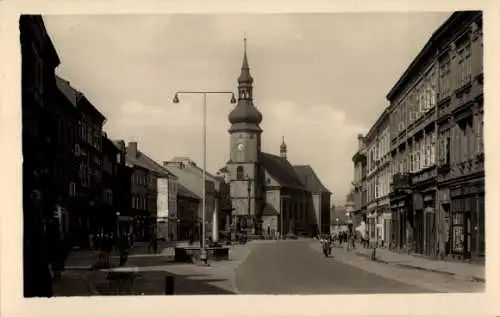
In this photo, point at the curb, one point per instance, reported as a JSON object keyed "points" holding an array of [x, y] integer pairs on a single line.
{"points": [[416, 267]]}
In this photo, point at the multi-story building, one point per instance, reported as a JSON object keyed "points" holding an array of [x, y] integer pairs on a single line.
{"points": [[122, 189], [66, 115], [377, 142], [460, 156], [359, 191], [40, 189], [190, 177], [153, 195], [115, 184], [188, 204], [440, 74], [86, 137]]}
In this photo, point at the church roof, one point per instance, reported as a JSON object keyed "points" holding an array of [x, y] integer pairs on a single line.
{"points": [[281, 170], [269, 210], [309, 179], [245, 112]]}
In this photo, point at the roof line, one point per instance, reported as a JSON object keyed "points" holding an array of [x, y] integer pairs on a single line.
{"points": [[425, 50]]}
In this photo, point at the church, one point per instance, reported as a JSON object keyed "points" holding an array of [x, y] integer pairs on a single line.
{"points": [[267, 192]]}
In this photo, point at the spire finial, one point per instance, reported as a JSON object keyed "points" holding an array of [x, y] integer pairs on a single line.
{"points": [[245, 42]]}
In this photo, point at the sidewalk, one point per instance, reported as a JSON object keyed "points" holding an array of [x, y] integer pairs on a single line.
{"points": [[84, 258], [190, 279], [432, 281], [468, 271]]}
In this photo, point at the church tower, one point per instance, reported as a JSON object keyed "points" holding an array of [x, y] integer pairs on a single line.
{"points": [[283, 149], [245, 142]]}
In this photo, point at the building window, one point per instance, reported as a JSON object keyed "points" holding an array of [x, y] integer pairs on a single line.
{"points": [[72, 189], [464, 65], [444, 77], [239, 173], [433, 150]]}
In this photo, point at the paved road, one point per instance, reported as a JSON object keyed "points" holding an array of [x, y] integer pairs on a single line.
{"points": [[293, 267]]}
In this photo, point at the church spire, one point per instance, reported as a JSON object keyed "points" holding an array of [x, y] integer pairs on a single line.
{"points": [[283, 148], [245, 116], [245, 58], [245, 79]]}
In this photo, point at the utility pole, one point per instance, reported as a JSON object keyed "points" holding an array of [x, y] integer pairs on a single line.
{"points": [[204, 94]]}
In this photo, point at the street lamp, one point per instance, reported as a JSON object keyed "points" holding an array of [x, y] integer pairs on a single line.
{"points": [[249, 190], [203, 255]]}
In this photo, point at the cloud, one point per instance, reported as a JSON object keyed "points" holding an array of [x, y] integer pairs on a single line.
{"points": [[320, 79]]}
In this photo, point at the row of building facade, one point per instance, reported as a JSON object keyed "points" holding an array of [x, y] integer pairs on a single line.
{"points": [[86, 181], [419, 171]]}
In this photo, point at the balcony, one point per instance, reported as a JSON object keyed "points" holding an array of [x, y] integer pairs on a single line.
{"points": [[443, 167]]}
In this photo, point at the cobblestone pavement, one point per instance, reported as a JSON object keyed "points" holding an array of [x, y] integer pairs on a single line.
{"points": [[429, 280]]}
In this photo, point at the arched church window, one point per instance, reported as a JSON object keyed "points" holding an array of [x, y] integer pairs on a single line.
{"points": [[239, 173]]}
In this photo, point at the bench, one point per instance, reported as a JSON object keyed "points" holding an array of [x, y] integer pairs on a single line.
{"points": [[192, 254]]}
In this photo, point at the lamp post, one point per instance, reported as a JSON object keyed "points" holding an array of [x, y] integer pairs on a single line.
{"points": [[249, 191], [203, 255]]}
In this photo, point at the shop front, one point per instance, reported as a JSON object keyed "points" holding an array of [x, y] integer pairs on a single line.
{"points": [[430, 224], [466, 221]]}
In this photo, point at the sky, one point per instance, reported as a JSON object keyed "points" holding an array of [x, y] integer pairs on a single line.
{"points": [[319, 79]]}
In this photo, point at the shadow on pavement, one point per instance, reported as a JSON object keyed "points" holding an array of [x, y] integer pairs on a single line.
{"points": [[153, 283]]}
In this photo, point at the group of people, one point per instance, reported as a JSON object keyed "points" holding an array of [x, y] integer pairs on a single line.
{"points": [[105, 243]]}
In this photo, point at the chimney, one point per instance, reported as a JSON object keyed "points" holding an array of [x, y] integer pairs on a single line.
{"points": [[361, 142], [132, 149]]}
